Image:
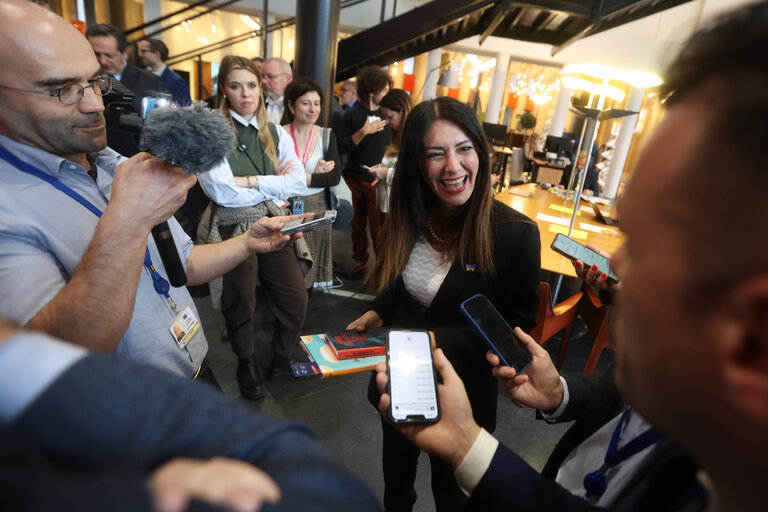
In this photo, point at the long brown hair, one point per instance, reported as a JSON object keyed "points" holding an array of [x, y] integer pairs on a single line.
{"points": [[398, 101], [232, 63], [412, 200]]}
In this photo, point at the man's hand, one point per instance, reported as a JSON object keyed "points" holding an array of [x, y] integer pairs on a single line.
{"points": [[264, 235], [370, 319], [373, 127], [223, 482], [147, 191], [592, 275], [540, 386], [450, 438]]}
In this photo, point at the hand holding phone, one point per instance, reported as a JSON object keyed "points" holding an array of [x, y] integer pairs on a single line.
{"points": [[308, 223], [412, 383], [496, 332], [573, 250]]}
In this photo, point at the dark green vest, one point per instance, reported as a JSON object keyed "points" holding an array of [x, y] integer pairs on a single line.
{"points": [[252, 160]]}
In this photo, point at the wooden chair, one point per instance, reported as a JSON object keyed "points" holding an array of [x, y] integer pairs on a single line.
{"points": [[551, 320], [595, 316]]}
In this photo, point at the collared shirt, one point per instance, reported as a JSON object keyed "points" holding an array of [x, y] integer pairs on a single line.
{"points": [[585, 458], [43, 236], [29, 363], [159, 71], [219, 184], [275, 110]]}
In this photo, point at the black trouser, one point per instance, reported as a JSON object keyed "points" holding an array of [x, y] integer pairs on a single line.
{"points": [[280, 277], [399, 459]]}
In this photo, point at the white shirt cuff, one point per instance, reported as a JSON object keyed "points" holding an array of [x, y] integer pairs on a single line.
{"points": [[476, 462], [550, 418]]}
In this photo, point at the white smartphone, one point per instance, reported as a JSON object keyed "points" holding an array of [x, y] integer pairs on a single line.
{"points": [[367, 168], [308, 223], [373, 119], [412, 382], [573, 250]]}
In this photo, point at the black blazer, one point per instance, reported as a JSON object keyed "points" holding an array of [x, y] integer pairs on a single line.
{"points": [[665, 481], [140, 81], [514, 290], [92, 438]]}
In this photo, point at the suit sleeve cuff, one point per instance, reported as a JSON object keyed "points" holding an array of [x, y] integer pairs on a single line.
{"points": [[476, 462], [554, 415]]}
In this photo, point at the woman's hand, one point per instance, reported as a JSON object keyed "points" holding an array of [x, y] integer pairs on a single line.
{"points": [[379, 170], [370, 319], [593, 276], [323, 166], [285, 168]]}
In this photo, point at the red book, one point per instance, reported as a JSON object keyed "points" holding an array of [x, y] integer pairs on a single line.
{"points": [[354, 345]]}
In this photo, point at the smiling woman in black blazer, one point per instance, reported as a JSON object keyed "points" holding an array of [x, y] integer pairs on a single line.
{"points": [[444, 240]]}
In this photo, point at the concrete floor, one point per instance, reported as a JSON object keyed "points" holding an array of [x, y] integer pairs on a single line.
{"points": [[337, 409]]}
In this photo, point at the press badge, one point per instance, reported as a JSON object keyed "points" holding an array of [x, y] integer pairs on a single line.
{"points": [[184, 327]]}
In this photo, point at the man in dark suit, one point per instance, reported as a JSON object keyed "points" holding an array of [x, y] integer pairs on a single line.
{"points": [[691, 336], [153, 54], [88, 431], [111, 48]]}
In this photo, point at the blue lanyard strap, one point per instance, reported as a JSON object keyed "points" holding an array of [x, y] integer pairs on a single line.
{"points": [[160, 283], [595, 482]]}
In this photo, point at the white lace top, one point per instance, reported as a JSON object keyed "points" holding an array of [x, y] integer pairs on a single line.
{"points": [[425, 271]]}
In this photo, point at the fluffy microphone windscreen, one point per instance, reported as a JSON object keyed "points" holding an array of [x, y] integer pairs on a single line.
{"points": [[195, 138]]}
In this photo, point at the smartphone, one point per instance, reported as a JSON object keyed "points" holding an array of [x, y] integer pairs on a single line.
{"points": [[308, 223], [573, 250], [412, 382], [496, 332], [367, 168]]}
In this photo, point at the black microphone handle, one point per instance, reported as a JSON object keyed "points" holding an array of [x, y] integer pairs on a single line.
{"points": [[168, 253]]}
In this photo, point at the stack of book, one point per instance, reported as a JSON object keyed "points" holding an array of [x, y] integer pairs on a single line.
{"points": [[344, 353]]}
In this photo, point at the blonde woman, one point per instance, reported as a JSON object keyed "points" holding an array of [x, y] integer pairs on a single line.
{"points": [[256, 180]]}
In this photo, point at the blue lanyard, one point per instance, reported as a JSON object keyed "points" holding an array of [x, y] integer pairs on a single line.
{"points": [[596, 482], [161, 284]]}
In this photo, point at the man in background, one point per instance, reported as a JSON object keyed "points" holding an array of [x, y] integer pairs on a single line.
{"points": [[364, 135], [276, 74], [154, 53], [111, 49], [348, 94]]}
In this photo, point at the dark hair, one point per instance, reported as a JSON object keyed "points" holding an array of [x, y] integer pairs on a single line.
{"points": [[398, 101], [370, 80], [723, 68], [411, 198], [295, 90], [158, 46], [107, 30]]}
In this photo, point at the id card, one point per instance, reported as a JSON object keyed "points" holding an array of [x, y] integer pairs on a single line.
{"points": [[184, 326]]}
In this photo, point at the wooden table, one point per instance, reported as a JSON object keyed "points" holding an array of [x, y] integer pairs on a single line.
{"points": [[539, 202]]}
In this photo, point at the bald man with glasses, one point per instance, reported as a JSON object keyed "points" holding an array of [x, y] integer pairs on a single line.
{"points": [[76, 258]]}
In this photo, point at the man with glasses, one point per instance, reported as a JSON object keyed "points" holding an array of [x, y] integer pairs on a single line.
{"points": [[76, 258], [348, 94], [276, 74]]}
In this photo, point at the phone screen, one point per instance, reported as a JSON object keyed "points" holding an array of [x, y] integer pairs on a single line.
{"points": [[496, 332], [412, 384], [575, 251]]}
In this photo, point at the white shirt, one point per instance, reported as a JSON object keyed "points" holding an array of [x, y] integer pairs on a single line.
{"points": [[585, 458], [219, 183], [159, 71], [29, 363], [275, 110], [425, 271]]}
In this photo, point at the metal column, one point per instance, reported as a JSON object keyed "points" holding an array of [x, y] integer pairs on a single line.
{"points": [[317, 29]]}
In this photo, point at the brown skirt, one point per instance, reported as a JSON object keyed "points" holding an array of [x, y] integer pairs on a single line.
{"points": [[319, 242]]}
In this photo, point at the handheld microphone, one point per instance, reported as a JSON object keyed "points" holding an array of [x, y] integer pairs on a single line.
{"points": [[195, 138]]}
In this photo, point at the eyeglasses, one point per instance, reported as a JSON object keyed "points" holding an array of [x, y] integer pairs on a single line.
{"points": [[271, 77], [73, 93], [346, 90]]}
